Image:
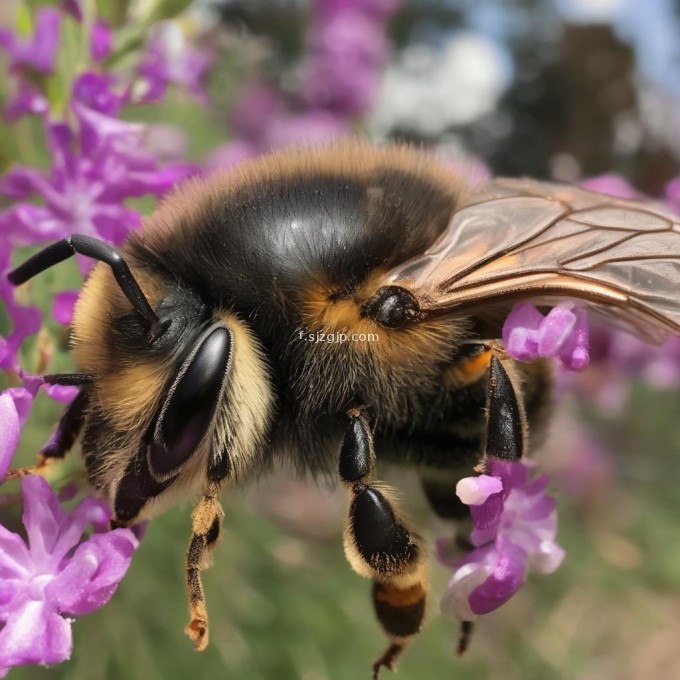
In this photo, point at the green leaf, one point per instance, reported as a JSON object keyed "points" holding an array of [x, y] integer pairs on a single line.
{"points": [[24, 20], [158, 10], [114, 12]]}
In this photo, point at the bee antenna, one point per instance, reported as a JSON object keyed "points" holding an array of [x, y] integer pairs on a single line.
{"points": [[68, 379], [93, 247]]}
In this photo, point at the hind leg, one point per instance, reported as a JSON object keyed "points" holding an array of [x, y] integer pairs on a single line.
{"points": [[381, 545]]}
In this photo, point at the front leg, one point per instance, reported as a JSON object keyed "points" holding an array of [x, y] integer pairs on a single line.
{"points": [[206, 521], [62, 439], [380, 545], [506, 424]]}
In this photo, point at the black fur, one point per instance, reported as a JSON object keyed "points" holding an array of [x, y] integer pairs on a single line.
{"points": [[256, 249]]}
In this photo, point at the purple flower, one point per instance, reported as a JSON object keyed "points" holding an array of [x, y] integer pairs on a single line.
{"points": [[582, 465], [93, 173], [379, 9], [673, 194], [617, 358], [95, 92], [73, 8], [515, 524], [172, 60], [25, 320], [63, 305], [27, 100], [614, 185], [9, 431], [32, 383], [57, 575], [563, 333], [314, 127], [255, 109], [40, 51], [232, 153], [347, 51], [100, 41], [261, 122]]}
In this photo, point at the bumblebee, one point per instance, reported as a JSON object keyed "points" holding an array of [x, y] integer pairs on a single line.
{"points": [[197, 354]]}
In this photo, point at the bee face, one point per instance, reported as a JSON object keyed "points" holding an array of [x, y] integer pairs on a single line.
{"points": [[206, 351], [161, 414]]}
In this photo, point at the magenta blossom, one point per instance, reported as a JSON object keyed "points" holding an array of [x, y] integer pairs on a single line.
{"points": [[26, 100], [73, 8], [9, 431], [39, 52], [172, 60], [347, 51], [262, 121], [101, 41], [25, 320], [614, 185], [563, 333], [57, 575], [515, 523], [94, 171], [63, 306], [673, 194]]}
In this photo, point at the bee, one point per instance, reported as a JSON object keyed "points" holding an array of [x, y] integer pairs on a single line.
{"points": [[194, 350]]}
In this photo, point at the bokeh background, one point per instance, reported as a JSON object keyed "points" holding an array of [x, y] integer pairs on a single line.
{"points": [[568, 89]]}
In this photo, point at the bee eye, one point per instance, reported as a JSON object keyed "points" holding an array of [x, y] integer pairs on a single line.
{"points": [[188, 411], [392, 306]]}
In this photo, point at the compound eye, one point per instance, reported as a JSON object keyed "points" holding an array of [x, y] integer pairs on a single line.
{"points": [[392, 306], [190, 406]]}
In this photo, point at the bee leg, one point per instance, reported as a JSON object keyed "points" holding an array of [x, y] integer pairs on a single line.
{"points": [[68, 428], [62, 439], [379, 544], [206, 521], [506, 439], [506, 424]]}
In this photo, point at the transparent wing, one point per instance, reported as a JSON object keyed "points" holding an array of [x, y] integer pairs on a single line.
{"points": [[538, 241]]}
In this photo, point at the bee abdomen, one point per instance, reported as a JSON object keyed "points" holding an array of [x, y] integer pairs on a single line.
{"points": [[400, 612]]}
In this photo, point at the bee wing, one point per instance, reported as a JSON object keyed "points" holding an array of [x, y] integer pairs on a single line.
{"points": [[539, 241]]}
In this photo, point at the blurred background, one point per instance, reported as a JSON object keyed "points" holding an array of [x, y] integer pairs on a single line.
{"points": [[565, 89]]}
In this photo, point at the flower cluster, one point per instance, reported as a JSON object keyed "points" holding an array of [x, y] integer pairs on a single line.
{"points": [[57, 573], [70, 563], [515, 524], [339, 75], [563, 333], [98, 163], [347, 50]]}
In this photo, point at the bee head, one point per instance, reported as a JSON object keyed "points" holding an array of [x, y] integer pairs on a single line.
{"points": [[158, 363], [160, 393]]}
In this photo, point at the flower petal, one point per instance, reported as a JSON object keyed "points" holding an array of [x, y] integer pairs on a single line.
{"points": [[42, 519], [563, 333], [71, 526], [476, 490], [62, 307], [548, 558], [465, 580], [33, 633], [15, 561], [505, 580], [100, 41], [519, 331], [9, 431], [94, 572]]}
